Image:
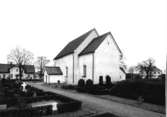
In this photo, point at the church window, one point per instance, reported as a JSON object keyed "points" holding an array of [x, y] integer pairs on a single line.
{"points": [[66, 72], [84, 70]]}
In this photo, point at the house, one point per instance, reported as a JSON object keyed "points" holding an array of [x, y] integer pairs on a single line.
{"points": [[12, 71], [156, 72], [53, 75], [89, 56]]}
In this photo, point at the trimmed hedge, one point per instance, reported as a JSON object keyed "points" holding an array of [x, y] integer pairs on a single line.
{"points": [[68, 107], [28, 112], [69, 87], [81, 83], [105, 115], [153, 91], [101, 80], [95, 89]]}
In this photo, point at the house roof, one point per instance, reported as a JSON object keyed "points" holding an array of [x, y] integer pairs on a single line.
{"points": [[71, 46], [53, 71], [4, 68], [94, 44], [29, 69]]}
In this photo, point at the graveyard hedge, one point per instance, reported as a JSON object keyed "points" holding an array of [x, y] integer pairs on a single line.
{"points": [[153, 91], [68, 107], [28, 112]]}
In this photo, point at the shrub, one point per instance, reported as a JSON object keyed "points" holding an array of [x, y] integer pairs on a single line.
{"points": [[151, 91], [81, 83], [108, 81], [28, 112], [89, 84], [101, 80], [68, 107], [68, 87]]}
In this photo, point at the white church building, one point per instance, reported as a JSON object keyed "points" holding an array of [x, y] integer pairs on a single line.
{"points": [[89, 56]]}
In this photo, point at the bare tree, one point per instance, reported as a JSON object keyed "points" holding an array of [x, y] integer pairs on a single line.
{"points": [[20, 57], [147, 67], [41, 63]]}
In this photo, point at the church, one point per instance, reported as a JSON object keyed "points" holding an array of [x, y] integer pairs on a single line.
{"points": [[90, 56]]}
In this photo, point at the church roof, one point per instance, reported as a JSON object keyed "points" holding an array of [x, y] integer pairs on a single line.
{"points": [[71, 46], [94, 44], [53, 71]]}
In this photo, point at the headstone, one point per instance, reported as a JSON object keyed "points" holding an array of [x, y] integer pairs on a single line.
{"points": [[24, 86], [3, 106]]}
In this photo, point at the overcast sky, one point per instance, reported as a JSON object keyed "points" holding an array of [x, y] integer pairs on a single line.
{"points": [[45, 27]]}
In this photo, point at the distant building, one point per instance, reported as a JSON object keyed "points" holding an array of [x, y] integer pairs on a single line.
{"points": [[53, 75], [89, 56], [155, 73], [12, 71]]}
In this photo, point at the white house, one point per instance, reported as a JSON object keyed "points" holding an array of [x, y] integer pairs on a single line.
{"points": [[12, 71], [89, 56], [53, 75], [154, 75]]}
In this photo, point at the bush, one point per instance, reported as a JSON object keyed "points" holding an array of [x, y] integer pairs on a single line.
{"points": [[68, 87], [81, 83], [29, 112], [101, 80], [151, 91], [89, 84], [68, 107], [108, 81]]}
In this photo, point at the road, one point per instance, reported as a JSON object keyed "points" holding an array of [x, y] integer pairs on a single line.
{"points": [[102, 105]]}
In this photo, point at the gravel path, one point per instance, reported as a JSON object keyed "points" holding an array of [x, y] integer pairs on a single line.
{"points": [[102, 105]]}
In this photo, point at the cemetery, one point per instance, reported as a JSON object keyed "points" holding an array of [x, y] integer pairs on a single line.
{"points": [[17, 99]]}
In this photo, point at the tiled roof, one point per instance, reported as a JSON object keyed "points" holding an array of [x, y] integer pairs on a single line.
{"points": [[53, 71], [94, 44], [4, 68], [29, 69], [70, 47]]}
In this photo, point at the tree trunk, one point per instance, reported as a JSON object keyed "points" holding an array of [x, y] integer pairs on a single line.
{"points": [[20, 71]]}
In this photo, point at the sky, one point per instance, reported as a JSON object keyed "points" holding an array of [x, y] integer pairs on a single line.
{"points": [[45, 27]]}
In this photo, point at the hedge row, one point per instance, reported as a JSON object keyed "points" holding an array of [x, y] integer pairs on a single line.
{"points": [[150, 91], [93, 90], [28, 112], [99, 89], [68, 103]]}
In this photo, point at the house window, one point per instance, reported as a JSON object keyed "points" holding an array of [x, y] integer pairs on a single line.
{"points": [[66, 72], [17, 70], [84, 70], [11, 75], [3, 75]]}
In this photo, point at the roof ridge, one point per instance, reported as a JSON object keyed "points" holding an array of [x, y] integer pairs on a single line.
{"points": [[72, 45], [88, 32], [97, 40]]}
